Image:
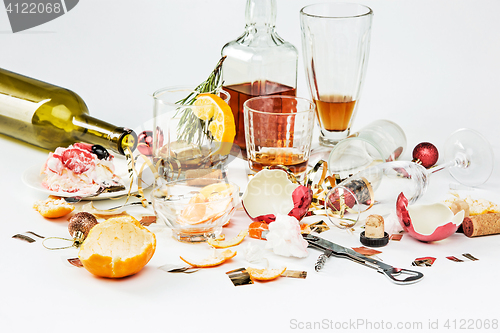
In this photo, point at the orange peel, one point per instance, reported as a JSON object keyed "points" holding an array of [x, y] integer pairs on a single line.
{"points": [[265, 274], [53, 207], [222, 244], [255, 229], [212, 261]]}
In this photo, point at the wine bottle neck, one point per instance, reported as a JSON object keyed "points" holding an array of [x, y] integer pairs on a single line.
{"points": [[96, 131], [260, 14]]}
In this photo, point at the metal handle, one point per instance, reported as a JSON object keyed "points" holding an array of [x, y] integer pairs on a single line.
{"points": [[396, 274]]}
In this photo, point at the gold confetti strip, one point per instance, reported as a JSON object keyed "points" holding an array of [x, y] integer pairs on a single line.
{"points": [[239, 277], [294, 274], [24, 238], [396, 237], [75, 262], [132, 171], [469, 256], [453, 258], [34, 234], [319, 227]]}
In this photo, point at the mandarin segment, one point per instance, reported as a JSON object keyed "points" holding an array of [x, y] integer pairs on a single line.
{"points": [[209, 204], [221, 244], [221, 189], [265, 274], [212, 261]]}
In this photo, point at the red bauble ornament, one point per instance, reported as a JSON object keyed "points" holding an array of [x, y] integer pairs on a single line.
{"points": [[425, 154]]}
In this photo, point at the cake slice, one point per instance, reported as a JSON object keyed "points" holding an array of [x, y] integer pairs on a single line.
{"points": [[81, 169]]}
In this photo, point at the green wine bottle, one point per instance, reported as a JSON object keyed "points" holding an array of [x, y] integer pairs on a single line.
{"points": [[49, 116]]}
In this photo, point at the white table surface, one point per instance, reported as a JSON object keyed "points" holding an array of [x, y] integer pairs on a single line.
{"points": [[434, 67]]}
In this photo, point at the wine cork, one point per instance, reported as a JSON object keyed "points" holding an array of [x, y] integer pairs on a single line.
{"points": [[481, 225], [374, 226]]}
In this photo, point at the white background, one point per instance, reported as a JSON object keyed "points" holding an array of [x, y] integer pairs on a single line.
{"points": [[434, 67]]}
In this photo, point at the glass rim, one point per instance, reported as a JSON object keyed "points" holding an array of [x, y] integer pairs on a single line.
{"points": [[368, 10], [156, 189], [333, 215], [349, 140], [188, 89], [311, 108]]}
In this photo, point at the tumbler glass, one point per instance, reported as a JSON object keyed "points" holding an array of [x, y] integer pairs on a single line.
{"points": [[180, 141], [278, 131], [335, 44]]}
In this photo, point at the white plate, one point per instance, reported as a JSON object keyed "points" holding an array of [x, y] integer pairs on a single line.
{"points": [[33, 179]]}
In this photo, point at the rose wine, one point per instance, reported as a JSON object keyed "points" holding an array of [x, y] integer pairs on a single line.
{"points": [[242, 92], [334, 112], [296, 162]]}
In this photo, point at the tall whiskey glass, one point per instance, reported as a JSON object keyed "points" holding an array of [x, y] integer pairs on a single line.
{"points": [[335, 44]]}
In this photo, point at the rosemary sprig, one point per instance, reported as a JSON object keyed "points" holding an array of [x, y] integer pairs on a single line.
{"points": [[190, 126]]}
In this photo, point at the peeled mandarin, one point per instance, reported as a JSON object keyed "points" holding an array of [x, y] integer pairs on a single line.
{"points": [[117, 247]]}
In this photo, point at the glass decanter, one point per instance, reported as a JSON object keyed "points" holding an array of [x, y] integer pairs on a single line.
{"points": [[257, 63], [469, 159]]}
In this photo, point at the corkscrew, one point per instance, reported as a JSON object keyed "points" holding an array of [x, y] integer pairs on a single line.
{"points": [[320, 263], [396, 275]]}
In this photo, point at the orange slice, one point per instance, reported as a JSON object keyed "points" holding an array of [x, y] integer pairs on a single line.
{"points": [[221, 244], [217, 191], [222, 126], [205, 107], [212, 261], [265, 274]]}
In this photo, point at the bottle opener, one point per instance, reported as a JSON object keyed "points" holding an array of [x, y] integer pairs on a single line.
{"points": [[396, 275]]}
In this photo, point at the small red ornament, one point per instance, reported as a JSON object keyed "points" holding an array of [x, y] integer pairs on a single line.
{"points": [[145, 145], [425, 154]]}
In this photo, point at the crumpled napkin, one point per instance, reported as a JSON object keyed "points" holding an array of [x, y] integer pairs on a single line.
{"points": [[284, 237], [391, 224], [253, 253]]}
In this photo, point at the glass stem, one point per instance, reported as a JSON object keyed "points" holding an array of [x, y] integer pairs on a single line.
{"points": [[460, 161], [442, 166]]}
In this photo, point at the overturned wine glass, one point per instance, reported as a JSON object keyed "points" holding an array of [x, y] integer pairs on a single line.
{"points": [[468, 156]]}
